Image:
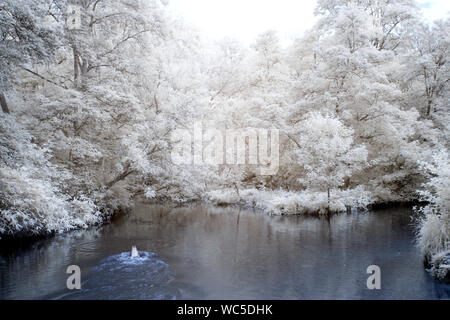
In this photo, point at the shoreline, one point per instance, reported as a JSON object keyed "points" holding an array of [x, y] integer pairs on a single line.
{"points": [[27, 239]]}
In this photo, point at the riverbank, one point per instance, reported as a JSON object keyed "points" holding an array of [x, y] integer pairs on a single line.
{"points": [[281, 202], [267, 202]]}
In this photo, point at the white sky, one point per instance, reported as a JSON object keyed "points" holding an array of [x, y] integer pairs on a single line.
{"points": [[435, 9], [245, 19]]}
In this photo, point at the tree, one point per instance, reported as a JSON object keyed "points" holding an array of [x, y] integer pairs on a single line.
{"points": [[428, 66], [111, 128], [433, 232], [327, 153], [352, 75], [24, 38], [123, 21]]}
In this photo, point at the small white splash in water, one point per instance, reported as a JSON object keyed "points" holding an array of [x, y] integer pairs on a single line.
{"points": [[134, 252]]}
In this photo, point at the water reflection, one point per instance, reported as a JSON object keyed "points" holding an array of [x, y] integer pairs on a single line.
{"points": [[227, 253]]}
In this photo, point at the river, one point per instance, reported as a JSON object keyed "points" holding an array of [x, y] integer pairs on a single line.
{"points": [[202, 252]]}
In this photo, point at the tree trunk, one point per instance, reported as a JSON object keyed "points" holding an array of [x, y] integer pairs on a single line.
{"points": [[328, 191], [237, 189], [84, 69], [428, 91], [5, 108], [120, 177], [428, 107], [76, 70]]}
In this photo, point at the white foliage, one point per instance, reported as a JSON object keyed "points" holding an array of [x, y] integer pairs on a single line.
{"points": [[279, 202], [327, 153], [434, 225], [30, 201], [360, 101]]}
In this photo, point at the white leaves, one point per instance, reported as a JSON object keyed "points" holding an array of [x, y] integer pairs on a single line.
{"points": [[24, 38], [345, 96], [433, 233], [326, 151], [35, 206], [280, 202], [150, 193]]}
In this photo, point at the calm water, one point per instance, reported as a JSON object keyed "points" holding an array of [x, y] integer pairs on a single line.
{"points": [[208, 253]]}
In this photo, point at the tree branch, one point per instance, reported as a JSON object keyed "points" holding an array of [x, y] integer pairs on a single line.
{"points": [[43, 78]]}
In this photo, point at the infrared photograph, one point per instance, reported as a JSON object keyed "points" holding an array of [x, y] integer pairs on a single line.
{"points": [[224, 158]]}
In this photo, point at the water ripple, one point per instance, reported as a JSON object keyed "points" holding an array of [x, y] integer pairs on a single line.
{"points": [[123, 277]]}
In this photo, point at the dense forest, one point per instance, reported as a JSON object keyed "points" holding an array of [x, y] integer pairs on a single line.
{"points": [[361, 102]]}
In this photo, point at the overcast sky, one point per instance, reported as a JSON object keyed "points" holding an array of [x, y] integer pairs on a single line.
{"points": [[245, 19]]}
